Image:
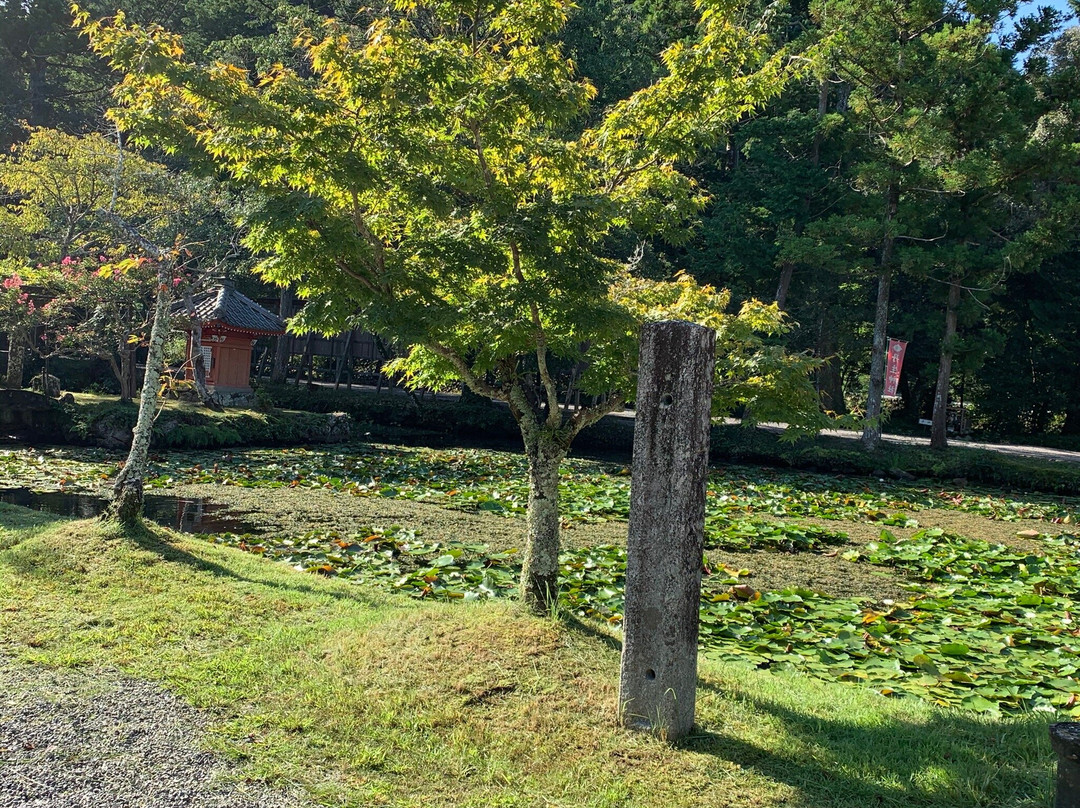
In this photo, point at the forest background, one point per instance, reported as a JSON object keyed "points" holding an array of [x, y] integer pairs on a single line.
{"points": [[927, 168]]}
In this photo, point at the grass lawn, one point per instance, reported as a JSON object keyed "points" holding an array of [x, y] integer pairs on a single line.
{"points": [[363, 698]]}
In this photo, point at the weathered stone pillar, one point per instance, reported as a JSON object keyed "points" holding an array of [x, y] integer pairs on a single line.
{"points": [[667, 521], [1065, 738]]}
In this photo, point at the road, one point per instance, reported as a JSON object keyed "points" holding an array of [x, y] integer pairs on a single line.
{"points": [[1036, 452]]}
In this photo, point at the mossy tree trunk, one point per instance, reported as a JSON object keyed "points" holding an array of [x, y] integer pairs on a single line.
{"points": [[547, 429], [549, 422], [540, 567], [127, 499]]}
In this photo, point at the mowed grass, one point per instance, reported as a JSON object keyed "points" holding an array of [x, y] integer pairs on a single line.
{"points": [[364, 699]]}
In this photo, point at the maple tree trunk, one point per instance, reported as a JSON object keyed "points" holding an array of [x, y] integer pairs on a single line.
{"points": [[16, 359], [540, 569], [940, 419], [127, 499]]}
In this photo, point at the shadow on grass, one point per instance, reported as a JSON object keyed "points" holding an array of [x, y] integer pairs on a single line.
{"points": [[951, 760], [573, 623], [16, 517], [148, 540]]}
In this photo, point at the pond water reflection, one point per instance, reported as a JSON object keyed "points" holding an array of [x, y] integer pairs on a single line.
{"points": [[178, 513]]}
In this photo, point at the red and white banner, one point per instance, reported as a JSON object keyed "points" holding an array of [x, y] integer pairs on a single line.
{"points": [[893, 364]]}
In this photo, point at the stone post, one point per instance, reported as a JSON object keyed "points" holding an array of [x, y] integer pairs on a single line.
{"points": [[1065, 738], [658, 679]]}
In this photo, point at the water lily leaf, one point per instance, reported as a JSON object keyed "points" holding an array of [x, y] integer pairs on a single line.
{"points": [[955, 649], [978, 704]]}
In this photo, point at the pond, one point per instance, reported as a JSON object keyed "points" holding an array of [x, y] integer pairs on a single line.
{"points": [[178, 513]]}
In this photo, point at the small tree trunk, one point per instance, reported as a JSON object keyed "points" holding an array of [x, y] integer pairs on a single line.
{"points": [[16, 358], [281, 358], [127, 501], [127, 373], [830, 384], [940, 419], [283, 342], [871, 436], [346, 357], [540, 570], [872, 428], [198, 363], [787, 270], [1072, 418], [305, 358]]}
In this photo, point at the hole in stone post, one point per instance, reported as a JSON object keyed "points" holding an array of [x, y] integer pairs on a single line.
{"points": [[650, 674], [667, 400]]}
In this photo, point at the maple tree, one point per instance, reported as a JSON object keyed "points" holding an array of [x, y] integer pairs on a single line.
{"points": [[430, 176]]}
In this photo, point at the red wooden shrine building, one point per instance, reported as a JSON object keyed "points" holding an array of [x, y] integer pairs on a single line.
{"points": [[231, 324]]}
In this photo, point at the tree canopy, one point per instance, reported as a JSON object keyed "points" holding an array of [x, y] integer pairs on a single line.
{"points": [[511, 187], [438, 175]]}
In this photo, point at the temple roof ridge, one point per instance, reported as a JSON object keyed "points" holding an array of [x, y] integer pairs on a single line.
{"points": [[232, 308]]}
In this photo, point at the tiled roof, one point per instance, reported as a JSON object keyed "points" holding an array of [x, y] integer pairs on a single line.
{"points": [[226, 304]]}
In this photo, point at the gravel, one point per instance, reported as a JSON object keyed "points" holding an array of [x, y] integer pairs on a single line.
{"points": [[75, 738]]}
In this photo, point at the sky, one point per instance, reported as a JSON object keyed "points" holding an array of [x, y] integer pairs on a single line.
{"points": [[1060, 5], [1030, 6]]}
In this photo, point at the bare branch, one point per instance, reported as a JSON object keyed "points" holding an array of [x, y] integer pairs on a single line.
{"points": [[149, 247], [924, 240]]}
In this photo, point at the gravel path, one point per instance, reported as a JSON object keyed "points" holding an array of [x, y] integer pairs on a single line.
{"points": [[96, 739]]}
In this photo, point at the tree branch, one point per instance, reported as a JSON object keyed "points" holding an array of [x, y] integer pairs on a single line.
{"points": [[147, 246], [476, 384], [590, 415], [551, 390]]}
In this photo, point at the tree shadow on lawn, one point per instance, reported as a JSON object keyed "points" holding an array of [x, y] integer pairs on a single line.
{"points": [[575, 624], [151, 542], [872, 759], [951, 760], [16, 517]]}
